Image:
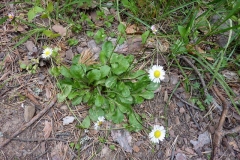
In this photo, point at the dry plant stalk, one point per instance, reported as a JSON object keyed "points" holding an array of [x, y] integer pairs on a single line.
{"points": [[87, 57]]}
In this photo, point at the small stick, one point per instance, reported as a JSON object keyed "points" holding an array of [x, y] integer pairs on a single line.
{"points": [[201, 79], [219, 133], [26, 125], [185, 101], [193, 118]]}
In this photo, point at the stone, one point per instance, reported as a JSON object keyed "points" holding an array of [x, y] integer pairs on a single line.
{"points": [[29, 112]]}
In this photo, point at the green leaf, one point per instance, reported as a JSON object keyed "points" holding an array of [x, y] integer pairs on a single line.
{"points": [[122, 29], [49, 8], [31, 14], [38, 9], [125, 92], [23, 65], [94, 113], [145, 36], [111, 82], [65, 72], [94, 75], [86, 97], [138, 99], [147, 94], [153, 86], [73, 95], [100, 36], [66, 89], [135, 121], [107, 49], [126, 100], [137, 74], [2, 20], [119, 63], [54, 71], [208, 99], [75, 59], [77, 71], [86, 122], [77, 100], [99, 101], [105, 69], [118, 116], [72, 42], [125, 108], [183, 31], [50, 34]]}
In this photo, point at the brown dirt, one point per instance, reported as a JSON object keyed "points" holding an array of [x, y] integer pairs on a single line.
{"points": [[30, 144]]}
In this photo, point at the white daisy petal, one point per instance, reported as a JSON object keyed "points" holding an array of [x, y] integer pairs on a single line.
{"points": [[156, 74], [97, 125], [157, 134], [47, 52]]}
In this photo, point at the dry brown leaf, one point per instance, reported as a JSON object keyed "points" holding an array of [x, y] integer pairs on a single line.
{"points": [[87, 57], [132, 29], [199, 50], [58, 151], [124, 139], [235, 146], [60, 29], [132, 46], [48, 92], [136, 148], [47, 129]]}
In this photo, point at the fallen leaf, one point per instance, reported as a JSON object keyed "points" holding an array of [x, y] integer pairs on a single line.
{"points": [[47, 129], [31, 46], [230, 75], [69, 54], [132, 46], [202, 140], [136, 148], [189, 150], [48, 92], [235, 146], [181, 156], [132, 29], [105, 152], [67, 120], [58, 152], [124, 139], [59, 29]]}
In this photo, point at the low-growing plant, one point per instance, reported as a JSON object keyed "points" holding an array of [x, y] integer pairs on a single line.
{"points": [[110, 88]]}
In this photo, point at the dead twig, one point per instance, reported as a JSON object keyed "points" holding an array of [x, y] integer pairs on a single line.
{"points": [[31, 97], [26, 125], [219, 133], [193, 118], [185, 101], [201, 79]]}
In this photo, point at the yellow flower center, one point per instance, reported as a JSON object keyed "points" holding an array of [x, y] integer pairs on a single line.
{"points": [[157, 74], [99, 123], [48, 53], [157, 134]]}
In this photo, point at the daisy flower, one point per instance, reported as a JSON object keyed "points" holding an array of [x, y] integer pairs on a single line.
{"points": [[156, 73], [99, 122], [157, 134], [154, 29], [47, 52], [10, 16]]}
